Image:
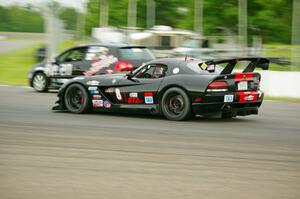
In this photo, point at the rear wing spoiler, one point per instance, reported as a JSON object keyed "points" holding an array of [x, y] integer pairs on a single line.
{"points": [[255, 62]]}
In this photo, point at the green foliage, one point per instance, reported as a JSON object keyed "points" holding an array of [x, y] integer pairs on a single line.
{"points": [[18, 19], [92, 16], [15, 65], [269, 18], [69, 16], [30, 19]]}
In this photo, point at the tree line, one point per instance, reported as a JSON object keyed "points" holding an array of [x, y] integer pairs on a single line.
{"points": [[270, 19], [30, 18]]}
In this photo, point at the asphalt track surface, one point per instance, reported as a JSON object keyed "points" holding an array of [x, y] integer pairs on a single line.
{"points": [[11, 45], [45, 154]]}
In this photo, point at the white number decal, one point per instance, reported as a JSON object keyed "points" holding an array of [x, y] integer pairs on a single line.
{"points": [[118, 94]]}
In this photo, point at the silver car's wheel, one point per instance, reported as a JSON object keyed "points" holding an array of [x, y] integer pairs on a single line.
{"points": [[39, 82]]}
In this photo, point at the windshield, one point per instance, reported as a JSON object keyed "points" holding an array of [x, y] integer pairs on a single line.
{"points": [[136, 54]]}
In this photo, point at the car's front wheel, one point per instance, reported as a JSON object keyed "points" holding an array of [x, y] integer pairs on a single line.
{"points": [[76, 99], [176, 105], [40, 82]]}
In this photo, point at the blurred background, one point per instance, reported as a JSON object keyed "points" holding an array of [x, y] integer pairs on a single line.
{"points": [[34, 30]]}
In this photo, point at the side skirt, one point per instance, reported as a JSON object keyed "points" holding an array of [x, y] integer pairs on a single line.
{"points": [[131, 108]]}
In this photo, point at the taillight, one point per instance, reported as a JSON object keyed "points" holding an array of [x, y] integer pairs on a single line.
{"points": [[217, 86], [123, 66]]}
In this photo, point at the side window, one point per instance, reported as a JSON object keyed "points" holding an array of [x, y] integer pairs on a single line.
{"points": [[152, 72], [77, 54]]}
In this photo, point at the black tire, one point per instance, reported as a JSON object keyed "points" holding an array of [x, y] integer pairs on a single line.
{"points": [[176, 105], [40, 82], [77, 99]]}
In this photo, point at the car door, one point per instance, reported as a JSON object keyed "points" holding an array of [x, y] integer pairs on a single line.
{"points": [[70, 64], [142, 87]]}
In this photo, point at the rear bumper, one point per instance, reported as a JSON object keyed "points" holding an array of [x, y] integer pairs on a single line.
{"points": [[214, 104], [233, 108]]}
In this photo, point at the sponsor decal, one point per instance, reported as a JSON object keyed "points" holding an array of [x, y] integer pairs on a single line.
{"points": [[249, 98], [94, 92], [203, 66], [228, 98], [118, 94], [97, 96], [113, 81], [133, 95], [92, 88], [106, 104], [210, 68], [148, 98], [109, 90], [134, 100], [176, 70], [97, 103], [93, 83]]}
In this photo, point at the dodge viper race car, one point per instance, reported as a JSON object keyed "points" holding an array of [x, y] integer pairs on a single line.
{"points": [[176, 88]]}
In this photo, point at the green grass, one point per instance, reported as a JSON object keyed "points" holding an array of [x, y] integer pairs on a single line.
{"points": [[288, 99], [14, 65]]}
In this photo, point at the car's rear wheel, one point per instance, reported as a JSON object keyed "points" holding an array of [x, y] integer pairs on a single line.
{"points": [[40, 82], [76, 99], [176, 105]]}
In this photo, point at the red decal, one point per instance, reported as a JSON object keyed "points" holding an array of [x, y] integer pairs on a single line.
{"points": [[134, 100], [249, 76], [148, 94], [243, 76], [239, 77], [248, 96]]}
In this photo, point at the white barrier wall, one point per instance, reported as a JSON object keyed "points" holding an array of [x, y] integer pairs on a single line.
{"points": [[280, 84]]}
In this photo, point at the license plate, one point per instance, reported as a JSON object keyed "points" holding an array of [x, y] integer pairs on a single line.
{"points": [[243, 85], [228, 98]]}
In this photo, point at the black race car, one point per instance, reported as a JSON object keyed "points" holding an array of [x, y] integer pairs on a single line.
{"points": [[176, 88], [87, 59]]}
